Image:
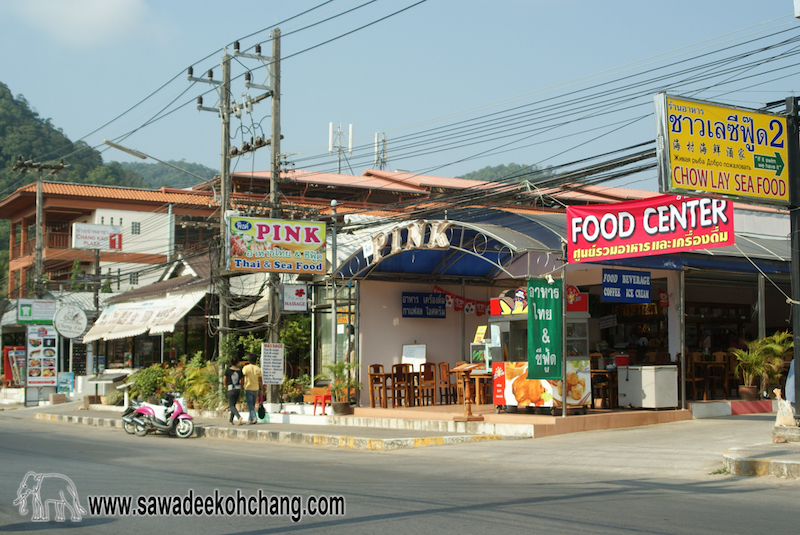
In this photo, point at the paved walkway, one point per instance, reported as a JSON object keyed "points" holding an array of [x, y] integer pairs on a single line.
{"points": [[343, 436]]}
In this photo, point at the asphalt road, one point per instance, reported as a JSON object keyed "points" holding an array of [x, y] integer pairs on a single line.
{"points": [[656, 479]]}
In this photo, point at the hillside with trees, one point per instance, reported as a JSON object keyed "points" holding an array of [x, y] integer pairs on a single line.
{"points": [[508, 173], [158, 174]]}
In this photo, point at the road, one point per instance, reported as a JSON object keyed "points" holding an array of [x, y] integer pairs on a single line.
{"points": [[655, 480]]}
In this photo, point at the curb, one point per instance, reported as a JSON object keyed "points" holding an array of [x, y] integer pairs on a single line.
{"points": [[748, 466], [290, 437]]}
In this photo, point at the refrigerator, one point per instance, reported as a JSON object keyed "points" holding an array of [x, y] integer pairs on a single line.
{"points": [[648, 387]]}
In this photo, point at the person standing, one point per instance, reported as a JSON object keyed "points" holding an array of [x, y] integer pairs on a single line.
{"points": [[233, 383], [253, 384]]}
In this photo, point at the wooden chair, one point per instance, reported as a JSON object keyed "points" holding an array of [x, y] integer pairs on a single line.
{"points": [[322, 399], [447, 389], [402, 385], [426, 387], [693, 376], [377, 386]]}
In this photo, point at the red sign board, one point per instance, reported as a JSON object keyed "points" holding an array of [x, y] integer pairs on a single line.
{"points": [[658, 225], [576, 301]]}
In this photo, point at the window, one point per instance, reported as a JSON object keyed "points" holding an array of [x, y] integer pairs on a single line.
{"points": [[102, 220], [136, 228], [112, 221], [134, 278]]}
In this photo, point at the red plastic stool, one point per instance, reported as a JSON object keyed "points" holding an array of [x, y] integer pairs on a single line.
{"points": [[322, 399]]}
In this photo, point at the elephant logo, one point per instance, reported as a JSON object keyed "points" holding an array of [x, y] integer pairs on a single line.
{"points": [[46, 489]]}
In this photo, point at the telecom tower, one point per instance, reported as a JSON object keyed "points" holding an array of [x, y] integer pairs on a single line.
{"points": [[335, 143]]}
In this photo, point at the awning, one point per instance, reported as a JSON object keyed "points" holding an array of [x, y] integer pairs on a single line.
{"points": [[253, 312], [122, 320]]}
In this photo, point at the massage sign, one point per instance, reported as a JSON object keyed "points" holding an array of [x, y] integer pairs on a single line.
{"points": [[658, 225]]}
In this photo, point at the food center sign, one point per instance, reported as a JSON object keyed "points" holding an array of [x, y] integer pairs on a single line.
{"points": [[276, 245], [710, 149], [658, 225]]}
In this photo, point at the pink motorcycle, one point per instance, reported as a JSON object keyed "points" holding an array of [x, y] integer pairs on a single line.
{"points": [[168, 417]]}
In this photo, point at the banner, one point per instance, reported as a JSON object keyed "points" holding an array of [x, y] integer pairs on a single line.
{"points": [[658, 225], [544, 329], [276, 246]]}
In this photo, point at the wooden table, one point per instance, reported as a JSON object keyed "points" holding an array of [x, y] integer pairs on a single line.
{"points": [[467, 369], [611, 399], [480, 377]]}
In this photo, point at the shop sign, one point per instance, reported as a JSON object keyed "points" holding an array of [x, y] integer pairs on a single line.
{"points": [[295, 297], [608, 321], [272, 363], [576, 301], [621, 286], [544, 329], [420, 234], [508, 305], [70, 321], [707, 149], [663, 298], [275, 245], [42, 345], [658, 225], [35, 311], [105, 237], [424, 305], [513, 388]]}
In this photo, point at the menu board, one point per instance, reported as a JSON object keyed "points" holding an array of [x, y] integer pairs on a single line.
{"points": [[42, 345], [272, 363], [511, 386], [414, 354]]}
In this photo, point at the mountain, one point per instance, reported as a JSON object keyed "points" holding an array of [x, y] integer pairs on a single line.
{"points": [[24, 133], [158, 174], [507, 173]]}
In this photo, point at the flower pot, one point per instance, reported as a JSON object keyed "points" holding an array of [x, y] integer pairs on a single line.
{"points": [[748, 393], [341, 408]]}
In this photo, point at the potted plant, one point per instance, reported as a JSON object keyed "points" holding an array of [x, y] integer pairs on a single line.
{"points": [[760, 362], [342, 381]]}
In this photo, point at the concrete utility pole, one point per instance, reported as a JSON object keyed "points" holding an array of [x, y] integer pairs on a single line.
{"points": [[273, 394], [22, 166], [793, 148], [224, 202]]}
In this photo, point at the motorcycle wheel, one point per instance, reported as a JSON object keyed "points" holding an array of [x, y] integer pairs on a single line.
{"points": [[140, 430], [185, 428], [129, 427]]}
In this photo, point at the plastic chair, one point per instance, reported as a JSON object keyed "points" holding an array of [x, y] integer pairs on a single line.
{"points": [[322, 399]]}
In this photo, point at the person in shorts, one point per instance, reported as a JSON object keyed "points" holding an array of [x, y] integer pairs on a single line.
{"points": [[253, 384]]}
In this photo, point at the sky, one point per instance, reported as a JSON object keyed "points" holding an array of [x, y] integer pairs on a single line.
{"points": [[454, 85]]}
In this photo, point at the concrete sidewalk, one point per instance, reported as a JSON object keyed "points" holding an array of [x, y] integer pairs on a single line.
{"points": [[322, 434]]}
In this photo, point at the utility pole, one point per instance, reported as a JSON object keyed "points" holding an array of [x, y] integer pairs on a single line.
{"points": [[793, 148], [224, 203], [274, 193], [22, 166]]}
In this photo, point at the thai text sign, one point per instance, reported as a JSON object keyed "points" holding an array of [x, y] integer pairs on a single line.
{"points": [[544, 329], [422, 305], [620, 286], [275, 245], [104, 237], [711, 149], [658, 225]]}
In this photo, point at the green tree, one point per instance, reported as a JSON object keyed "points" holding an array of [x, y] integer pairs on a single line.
{"points": [[74, 285]]}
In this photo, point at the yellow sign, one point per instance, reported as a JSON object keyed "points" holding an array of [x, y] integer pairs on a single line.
{"points": [[479, 334], [715, 150]]}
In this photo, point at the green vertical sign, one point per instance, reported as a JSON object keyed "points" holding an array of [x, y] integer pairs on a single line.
{"points": [[544, 329]]}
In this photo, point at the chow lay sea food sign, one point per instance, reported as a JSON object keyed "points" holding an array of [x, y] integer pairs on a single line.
{"points": [[658, 225], [276, 245], [707, 148]]}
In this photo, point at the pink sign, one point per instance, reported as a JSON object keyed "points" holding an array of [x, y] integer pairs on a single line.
{"points": [[658, 225]]}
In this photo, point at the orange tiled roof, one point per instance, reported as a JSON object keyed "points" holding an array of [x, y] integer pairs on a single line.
{"points": [[163, 195]]}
